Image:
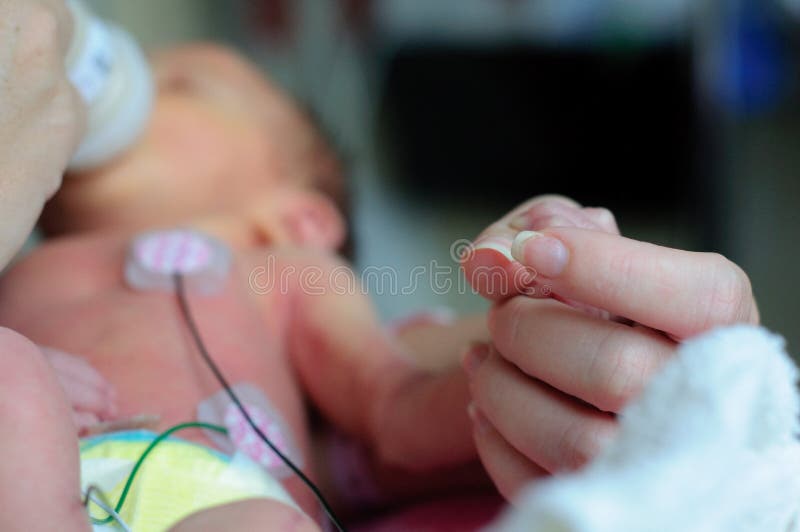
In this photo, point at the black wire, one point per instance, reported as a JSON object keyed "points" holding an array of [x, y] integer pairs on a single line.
{"points": [[183, 302], [86, 498]]}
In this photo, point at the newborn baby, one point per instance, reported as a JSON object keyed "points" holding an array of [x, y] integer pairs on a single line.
{"points": [[230, 157]]}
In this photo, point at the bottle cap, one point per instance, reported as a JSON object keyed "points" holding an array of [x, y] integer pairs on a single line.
{"points": [[113, 77]]}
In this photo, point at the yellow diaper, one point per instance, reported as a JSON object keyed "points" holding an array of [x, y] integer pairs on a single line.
{"points": [[177, 479]]}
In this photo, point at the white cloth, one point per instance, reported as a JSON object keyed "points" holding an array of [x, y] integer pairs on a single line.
{"points": [[710, 445]]}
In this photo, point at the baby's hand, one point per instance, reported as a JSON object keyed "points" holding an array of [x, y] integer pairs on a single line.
{"points": [[545, 393], [92, 397]]}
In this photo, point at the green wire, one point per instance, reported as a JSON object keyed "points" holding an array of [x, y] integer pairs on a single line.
{"points": [[160, 438]]}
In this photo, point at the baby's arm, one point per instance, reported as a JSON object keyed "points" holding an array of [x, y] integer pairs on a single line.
{"points": [[364, 382], [440, 345]]}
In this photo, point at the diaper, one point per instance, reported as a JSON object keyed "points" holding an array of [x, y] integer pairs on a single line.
{"points": [[177, 479]]}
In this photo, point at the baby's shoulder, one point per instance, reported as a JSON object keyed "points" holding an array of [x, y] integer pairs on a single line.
{"points": [[63, 269]]}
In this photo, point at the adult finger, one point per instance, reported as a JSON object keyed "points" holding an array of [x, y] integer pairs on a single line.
{"points": [[602, 362], [553, 430], [509, 469], [56, 13], [680, 292]]}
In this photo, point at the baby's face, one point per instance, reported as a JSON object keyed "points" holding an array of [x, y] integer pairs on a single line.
{"points": [[225, 150]]}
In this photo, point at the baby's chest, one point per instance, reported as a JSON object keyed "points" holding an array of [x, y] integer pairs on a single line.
{"points": [[166, 374]]}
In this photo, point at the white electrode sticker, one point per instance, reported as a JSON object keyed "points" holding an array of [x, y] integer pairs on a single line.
{"points": [[92, 70]]}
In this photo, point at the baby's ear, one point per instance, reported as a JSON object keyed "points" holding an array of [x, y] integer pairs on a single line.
{"points": [[300, 217]]}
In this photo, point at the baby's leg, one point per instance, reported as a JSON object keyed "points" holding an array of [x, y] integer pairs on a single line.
{"points": [[39, 468], [254, 514]]}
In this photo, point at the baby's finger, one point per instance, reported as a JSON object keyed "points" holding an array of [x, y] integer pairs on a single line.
{"points": [[84, 386], [553, 430], [84, 421], [488, 264], [604, 218], [87, 398], [509, 469], [682, 293], [545, 211], [602, 362], [73, 371], [76, 368]]}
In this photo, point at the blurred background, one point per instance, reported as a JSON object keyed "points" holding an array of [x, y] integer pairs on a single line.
{"points": [[681, 116]]}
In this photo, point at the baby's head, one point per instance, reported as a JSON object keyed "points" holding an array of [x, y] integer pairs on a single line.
{"points": [[225, 151]]}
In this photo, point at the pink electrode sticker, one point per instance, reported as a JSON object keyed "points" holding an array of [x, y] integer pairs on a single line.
{"points": [[154, 258], [171, 252], [248, 442]]}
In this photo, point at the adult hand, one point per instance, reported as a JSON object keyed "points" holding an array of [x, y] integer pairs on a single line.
{"points": [[606, 312], [41, 115]]}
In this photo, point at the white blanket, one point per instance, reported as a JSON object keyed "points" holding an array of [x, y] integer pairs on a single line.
{"points": [[710, 445]]}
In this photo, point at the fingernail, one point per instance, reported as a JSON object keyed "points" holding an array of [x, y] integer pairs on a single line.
{"points": [[500, 245], [475, 356], [478, 419], [546, 254], [520, 240]]}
